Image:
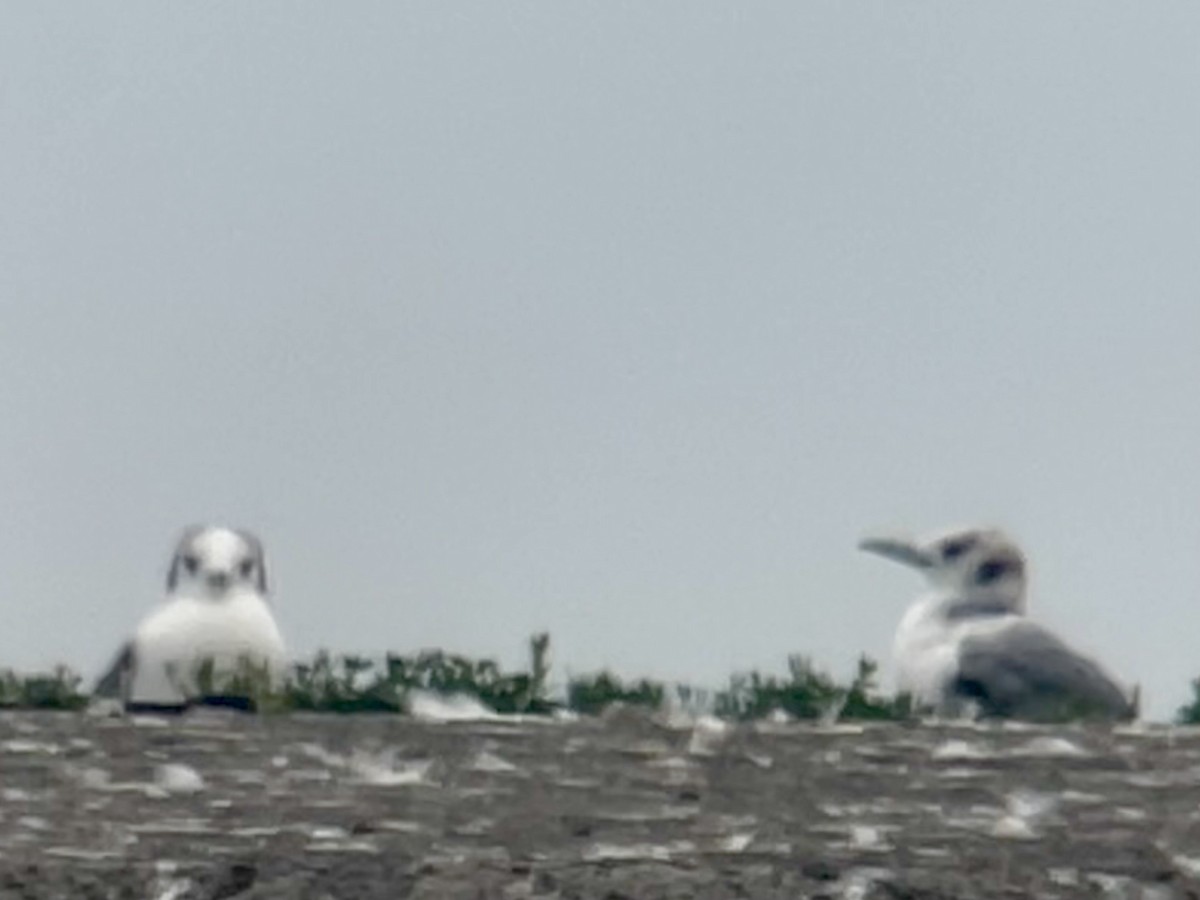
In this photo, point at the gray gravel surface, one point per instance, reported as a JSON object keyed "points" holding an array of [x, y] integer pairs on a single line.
{"points": [[624, 806]]}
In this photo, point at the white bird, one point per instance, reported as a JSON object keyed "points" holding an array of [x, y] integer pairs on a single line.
{"points": [[967, 641], [215, 627]]}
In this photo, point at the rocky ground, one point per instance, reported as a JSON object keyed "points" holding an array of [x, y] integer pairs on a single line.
{"points": [[624, 806]]}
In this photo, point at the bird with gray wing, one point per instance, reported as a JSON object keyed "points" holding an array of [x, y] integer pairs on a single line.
{"points": [[213, 639], [967, 643]]}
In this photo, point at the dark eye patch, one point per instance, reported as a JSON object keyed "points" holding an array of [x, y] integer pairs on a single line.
{"points": [[191, 563], [955, 549], [246, 568], [990, 570]]}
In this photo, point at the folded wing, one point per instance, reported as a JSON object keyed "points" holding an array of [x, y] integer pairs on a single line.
{"points": [[115, 683], [1024, 671]]}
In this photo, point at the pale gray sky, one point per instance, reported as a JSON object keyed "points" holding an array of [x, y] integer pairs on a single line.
{"points": [[623, 320]]}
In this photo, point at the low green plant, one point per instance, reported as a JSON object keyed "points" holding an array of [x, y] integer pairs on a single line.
{"points": [[350, 683], [354, 684], [808, 693], [58, 689], [345, 684], [863, 701], [1189, 714], [592, 693]]}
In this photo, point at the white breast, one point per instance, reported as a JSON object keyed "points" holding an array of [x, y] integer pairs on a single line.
{"points": [[174, 639], [925, 653]]}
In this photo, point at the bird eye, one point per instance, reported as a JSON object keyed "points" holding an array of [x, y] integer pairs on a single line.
{"points": [[990, 571], [246, 568], [192, 564], [955, 549]]}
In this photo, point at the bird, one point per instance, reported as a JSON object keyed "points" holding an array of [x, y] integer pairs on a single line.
{"points": [[212, 640], [967, 645]]}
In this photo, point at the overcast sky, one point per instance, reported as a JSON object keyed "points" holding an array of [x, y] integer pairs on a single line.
{"points": [[622, 320]]}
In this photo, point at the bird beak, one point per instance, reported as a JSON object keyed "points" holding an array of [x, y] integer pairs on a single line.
{"points": [[218, 580], [900, 550]]}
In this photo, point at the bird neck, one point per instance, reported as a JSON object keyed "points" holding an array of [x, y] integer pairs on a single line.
{"points": [[200, 594], [957, 606]]}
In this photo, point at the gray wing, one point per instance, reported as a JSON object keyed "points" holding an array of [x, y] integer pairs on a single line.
{"points": [[115, 682], [1024, 671]]}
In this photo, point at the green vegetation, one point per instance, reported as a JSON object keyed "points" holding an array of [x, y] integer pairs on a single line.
{"points": [[809, 694], [353, 684], [57, 690], [356, 684], [1190, 713], [590, 695]]}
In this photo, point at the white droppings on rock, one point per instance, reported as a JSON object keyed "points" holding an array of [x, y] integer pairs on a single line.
{"points": [[627, 852], [478, 827], [677, 719], [486, 761], [178, 778], [382, 769], [708, 734], [1187, 864], [1014, 828], [737, 843], [171, 888], [671, 762], [399, 826], [1050, 747], [960, 751], [428, 707], [19, 745], [327, 833], [961, 773], [868, 837], [321, 755], [1030, 804], [857, 884], [761, 760], [1115, 886], [1026, 810], [1063, 877], [93, 778]]}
